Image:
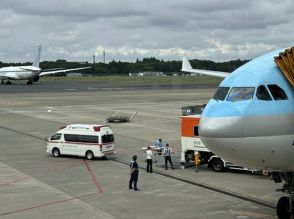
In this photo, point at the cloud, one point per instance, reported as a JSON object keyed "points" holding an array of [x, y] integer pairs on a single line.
{"points": [[130, 29]]}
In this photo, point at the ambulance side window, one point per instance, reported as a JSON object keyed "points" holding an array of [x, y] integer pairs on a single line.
{"points": [[55, 137], [81, 138], [196, 131]]}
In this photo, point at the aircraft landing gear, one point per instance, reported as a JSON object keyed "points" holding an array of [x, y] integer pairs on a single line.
{"points": [[285, 206], [29, 82], [8, 83], [2, 81]]}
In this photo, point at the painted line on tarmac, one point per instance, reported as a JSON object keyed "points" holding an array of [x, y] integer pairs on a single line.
{"points": [[205, 186], [43, 171], [55, 168], [48, 204], [96, 183], [195, 183], [15, 180]]}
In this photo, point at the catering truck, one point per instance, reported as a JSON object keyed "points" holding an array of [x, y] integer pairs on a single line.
{"points": [[191, 145]]}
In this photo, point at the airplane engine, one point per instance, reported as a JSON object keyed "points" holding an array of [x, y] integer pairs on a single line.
{"points": [[36, 79]]}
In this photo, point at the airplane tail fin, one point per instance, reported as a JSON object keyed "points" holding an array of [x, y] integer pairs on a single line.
{"points": [[37, 58], [186, 66]]}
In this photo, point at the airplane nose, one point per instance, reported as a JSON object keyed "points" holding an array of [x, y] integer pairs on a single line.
{"points": [[221, 127], [221, 121]]}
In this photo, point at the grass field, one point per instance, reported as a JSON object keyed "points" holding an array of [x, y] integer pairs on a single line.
{"points": [[147, 80]]}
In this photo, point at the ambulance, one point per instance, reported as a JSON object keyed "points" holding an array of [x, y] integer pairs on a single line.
{"points": [[85, 140]]}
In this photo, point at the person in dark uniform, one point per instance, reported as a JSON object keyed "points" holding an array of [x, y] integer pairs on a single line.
{"points": [[134, 171]]}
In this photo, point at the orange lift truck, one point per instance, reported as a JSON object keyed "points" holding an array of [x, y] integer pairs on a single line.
{"points": [[191, 143]]}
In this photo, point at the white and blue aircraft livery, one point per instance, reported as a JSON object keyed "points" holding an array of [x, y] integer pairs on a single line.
{"points": [[250, 119], [30, 73]]}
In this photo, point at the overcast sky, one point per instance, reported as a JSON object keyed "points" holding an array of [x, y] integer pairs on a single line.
{"points": [[75, 30]]}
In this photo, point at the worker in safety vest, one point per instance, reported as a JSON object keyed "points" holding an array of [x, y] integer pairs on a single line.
{"points": [[197, 160], [167, 156]]}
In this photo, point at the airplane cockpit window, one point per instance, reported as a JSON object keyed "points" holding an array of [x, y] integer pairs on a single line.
{"points": [[262, 93], [240, 93], [221, 93], [277, 92]]}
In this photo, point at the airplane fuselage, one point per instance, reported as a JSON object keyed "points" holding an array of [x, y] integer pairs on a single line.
{"points": [[30, 73], [20, 72], [256, 128]]}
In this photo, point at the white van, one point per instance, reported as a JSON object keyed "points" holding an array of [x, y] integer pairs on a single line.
{"points": [[85, 140]]}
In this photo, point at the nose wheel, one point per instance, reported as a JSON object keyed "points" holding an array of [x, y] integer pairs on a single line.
{"points": [[285, 208]]}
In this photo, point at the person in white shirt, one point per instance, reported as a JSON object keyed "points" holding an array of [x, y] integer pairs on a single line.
{"points": [[149, 160]]}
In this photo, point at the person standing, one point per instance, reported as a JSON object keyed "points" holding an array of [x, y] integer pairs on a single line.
{"points": [[167, 156], [149, 160], [134, 172]]}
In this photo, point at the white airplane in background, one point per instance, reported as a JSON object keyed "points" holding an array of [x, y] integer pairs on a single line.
{"points": [[30, 73], [250, 119]]}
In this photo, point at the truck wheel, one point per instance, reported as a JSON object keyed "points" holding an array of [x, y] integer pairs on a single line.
{"points": [[89, 155], [55, 152], [217, 165]]}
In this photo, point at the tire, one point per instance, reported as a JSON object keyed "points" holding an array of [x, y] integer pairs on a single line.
{"points": [[283, 208], [55, 152], [217, 165], [89, 155]]}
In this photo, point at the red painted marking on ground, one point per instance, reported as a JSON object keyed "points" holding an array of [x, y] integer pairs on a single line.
{"points": [[47, 204], [98, 187]]}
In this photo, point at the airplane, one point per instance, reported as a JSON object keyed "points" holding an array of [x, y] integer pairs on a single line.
{"points": [[30, 73], [250, 119]]}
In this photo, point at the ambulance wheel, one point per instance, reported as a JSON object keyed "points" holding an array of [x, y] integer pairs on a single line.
{"points": [[217, 165], [55, 152], [89, 155], [283, 208]]}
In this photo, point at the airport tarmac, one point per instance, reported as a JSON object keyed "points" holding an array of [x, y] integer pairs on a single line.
{"points": [[34, 184]]}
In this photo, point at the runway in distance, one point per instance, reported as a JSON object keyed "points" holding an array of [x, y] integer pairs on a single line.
{"points": [[30, 73], [250, 119]]}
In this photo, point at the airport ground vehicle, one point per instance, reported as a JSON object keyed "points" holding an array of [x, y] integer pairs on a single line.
{"points": [[85, 140], [191, 143]]}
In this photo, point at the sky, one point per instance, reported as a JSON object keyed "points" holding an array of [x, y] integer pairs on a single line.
{"points": [[75, 30]]}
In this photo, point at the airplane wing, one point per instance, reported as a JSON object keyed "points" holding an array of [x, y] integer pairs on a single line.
{"points": [[61, 71], [186, 67]]}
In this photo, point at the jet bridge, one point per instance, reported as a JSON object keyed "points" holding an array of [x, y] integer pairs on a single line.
{"points": [[285, 62]]}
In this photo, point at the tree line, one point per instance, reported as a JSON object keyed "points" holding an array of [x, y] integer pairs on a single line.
{"points": [[146, 64]]}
